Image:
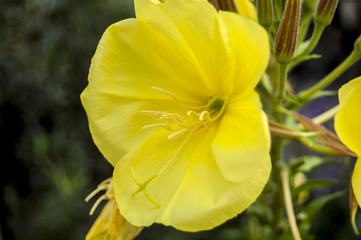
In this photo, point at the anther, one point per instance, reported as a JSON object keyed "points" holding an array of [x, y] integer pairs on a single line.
{"points": [[166, 126], [189, 113], [170, 116], [157, 113], [95, 192], [167, 93], [96, 204], [106, 185], [180, 132], [204, 116]]}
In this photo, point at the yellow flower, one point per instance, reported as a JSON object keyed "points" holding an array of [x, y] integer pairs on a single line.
{"points": [[348, 127], [110, 224], [173, 90]]}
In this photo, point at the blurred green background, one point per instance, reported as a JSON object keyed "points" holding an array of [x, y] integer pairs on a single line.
{"points": [[48, 160]]}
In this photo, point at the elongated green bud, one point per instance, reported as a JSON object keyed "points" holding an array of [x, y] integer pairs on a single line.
{"points": [[227, 5], [357, 44], [325, 11], [286, 40], [265, 12], [308, 5], [277, 10]]}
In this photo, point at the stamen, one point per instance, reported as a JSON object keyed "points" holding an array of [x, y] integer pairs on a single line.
{"points": [[95, 192], [182, 131], [104, 185], [189, 113], [98, 201], [107, 185], [166, 126], [143, 187], [167, 93], [170, 116], [153, 112], [204, 116], [190, 123]]}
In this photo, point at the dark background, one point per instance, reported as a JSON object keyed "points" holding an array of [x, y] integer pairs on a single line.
{"points": [[48, 160]]}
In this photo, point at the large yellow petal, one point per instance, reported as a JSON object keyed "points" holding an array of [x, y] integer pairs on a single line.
{"points": [[181, 47], [123, 70], [242, 142], [132, 57], [347, 120], [356, 181], [250, 51], [198, 26], [116, 122], [191, 191], [247, 9]]}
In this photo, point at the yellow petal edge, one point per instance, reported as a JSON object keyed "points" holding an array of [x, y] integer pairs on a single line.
{"points": [[348, 127]]}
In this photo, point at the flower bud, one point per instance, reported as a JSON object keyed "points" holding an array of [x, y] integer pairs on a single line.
{"points": [[214, 3], [227, 5], [325, 11], [286, 40], [265, 12], [308, 5]]}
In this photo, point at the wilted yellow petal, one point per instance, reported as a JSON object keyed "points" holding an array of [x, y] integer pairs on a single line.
{"points": [[110, 224]]}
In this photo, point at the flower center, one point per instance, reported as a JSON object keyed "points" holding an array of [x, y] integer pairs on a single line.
{"points": [[191, 122]]}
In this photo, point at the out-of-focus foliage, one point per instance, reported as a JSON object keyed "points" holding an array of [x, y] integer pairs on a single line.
{"points": [[49, 162], [48, 158]]}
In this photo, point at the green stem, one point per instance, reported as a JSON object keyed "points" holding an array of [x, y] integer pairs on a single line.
{"points": [[348, 62], [289, 205], [275, 79], [304, 25], [316, 35], [327, 115], [276, 156], [317, 32], [277, 205], [282, 81]]}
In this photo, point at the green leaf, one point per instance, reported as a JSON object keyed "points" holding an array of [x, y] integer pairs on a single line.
{"points": [[308, 163], [323, 93], [313, 184], [287, 235], [311, 212], [301, 48], [293, 99], [261, 212], [308, 57]]}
